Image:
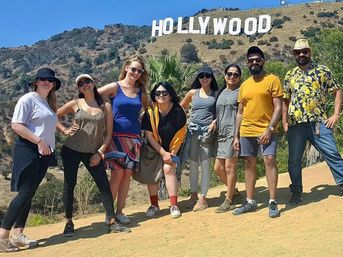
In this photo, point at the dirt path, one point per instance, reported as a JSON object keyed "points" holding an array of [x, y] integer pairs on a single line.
{"points": [[313, 229]]}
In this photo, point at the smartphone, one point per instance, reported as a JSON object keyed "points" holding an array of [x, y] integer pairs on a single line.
{"points": [[175, 159]]}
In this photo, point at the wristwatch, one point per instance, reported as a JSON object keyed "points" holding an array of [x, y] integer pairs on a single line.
{"points": [[271, 128]]}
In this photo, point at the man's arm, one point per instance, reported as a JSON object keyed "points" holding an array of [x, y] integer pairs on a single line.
{"points": [[284, 114], [277, 102], [330, 122]]}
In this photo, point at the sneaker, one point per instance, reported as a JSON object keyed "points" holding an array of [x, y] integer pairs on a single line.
{"points": [[69, 229], [6, 246], [341, 189], [227, 205], [200, 205], [23, 241], [152, 211], [175, 212], [237, 198], [122, 218], [296, 198], [248, 207], [118, 228], [273, 210]]}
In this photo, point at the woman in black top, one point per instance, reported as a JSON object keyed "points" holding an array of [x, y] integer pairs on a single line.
{"points": [[170, 124]]}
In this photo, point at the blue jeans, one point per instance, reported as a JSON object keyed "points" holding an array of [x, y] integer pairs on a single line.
{"points": [[324, 142]]}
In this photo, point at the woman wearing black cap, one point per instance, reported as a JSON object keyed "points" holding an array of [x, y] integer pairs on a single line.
{"points": [[86, 142], [34, 121], [202, 97]]}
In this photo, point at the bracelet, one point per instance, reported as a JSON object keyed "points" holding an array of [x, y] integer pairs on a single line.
{"points": [[101, 154]]}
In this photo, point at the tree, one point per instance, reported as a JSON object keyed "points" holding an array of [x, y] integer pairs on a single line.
{"points": [[169, 68], [189, 53]]}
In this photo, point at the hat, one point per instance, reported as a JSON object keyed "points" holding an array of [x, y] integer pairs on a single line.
{"points": [[255, 50], [205, 69], [47, 73], [83, 76], [301, 44]]}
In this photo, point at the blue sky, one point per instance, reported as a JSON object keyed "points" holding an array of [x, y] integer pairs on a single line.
{"points": [[24, 22]]}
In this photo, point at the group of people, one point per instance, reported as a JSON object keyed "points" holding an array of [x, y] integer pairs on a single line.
{"points": [[240, 120]]}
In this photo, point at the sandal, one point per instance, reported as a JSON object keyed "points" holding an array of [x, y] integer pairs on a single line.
{"points": [[7, 246]]}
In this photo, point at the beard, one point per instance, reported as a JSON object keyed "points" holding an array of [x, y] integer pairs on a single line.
{"points": [[302, 61], [256, 69]]}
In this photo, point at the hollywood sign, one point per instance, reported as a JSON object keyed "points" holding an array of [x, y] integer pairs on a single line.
{"points": [[221, 26]]}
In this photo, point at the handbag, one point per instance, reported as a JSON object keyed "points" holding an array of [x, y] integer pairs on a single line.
{"points": [[150, 169]]}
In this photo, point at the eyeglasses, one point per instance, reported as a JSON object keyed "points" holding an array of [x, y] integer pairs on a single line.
{"points": [[203, 75], [303, 51], [232, 74], [51, 80], [84, 82], [252, 60], [161, 93], [136, 70]]}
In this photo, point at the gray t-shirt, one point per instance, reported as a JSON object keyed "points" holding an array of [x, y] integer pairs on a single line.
{"points": [[35, 113], [226, 111]]}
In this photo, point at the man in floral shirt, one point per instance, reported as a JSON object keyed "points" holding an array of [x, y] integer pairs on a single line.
{"points": [[306, 91]]}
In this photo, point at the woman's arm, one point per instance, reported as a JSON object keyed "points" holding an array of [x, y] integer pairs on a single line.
{"points": [[109, 128], [187, 99], [70, 107], [165, 155], [22, 131], [109, 90], [100, 154]]}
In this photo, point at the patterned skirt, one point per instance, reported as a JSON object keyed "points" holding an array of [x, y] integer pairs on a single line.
{"points": [[123, 152]]}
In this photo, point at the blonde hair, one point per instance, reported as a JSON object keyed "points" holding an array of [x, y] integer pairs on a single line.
{"points": [[51, 96], [143, 79]]}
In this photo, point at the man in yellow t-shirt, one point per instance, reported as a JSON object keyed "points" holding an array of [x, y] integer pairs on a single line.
{"points": [[259, 110]]}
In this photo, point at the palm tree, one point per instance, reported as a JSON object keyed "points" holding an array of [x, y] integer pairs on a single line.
{"points": [[170, 68]]}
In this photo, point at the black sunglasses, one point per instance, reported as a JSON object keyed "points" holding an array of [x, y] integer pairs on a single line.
{"points": [[134, 70], [203, 75], [161, 93], [47, 79], [258, 60], [232, 74], [303, 51], [86, 81]]}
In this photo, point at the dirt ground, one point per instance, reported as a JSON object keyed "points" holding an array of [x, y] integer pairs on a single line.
{"points": [[312, 229]]}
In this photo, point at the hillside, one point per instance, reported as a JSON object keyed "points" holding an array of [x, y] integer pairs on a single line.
{"points": [[312, 229], [101, 52]]}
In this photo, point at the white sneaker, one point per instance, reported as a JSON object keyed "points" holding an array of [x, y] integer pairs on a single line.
{"points": [[23, 241], [122, 218], [175, 212], [152, 211]]}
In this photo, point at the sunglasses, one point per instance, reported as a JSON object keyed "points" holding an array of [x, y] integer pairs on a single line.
{"points": [[232, 74], [136, 70], [161, 93], [252, 60], [84, 82], [203, 75], [51, 80], [303, 51]]}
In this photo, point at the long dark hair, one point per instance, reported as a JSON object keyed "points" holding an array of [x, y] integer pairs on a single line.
{"points": [[175, 99], [99, 100], [205, 69], [226, 69]]}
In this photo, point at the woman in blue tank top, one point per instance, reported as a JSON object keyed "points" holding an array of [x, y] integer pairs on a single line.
{"points": [[202, 97], [128, 97]]}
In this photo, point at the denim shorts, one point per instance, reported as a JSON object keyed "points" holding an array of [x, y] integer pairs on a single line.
{"points": [[250, 146]]}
